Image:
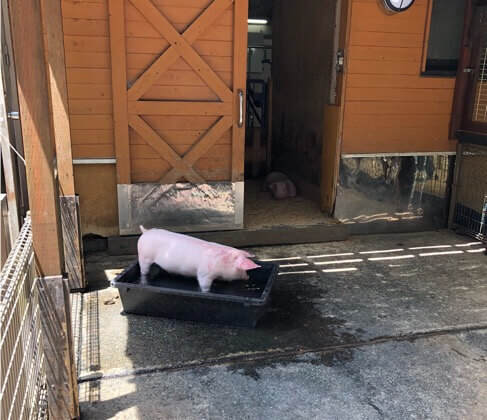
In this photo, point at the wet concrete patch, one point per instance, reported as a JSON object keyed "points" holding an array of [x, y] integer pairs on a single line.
{"points": [[422, 379], [311, 310], [251, 368], [293, 323]]}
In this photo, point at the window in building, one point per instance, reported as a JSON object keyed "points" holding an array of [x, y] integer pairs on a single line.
{"points": [[445, 37]]}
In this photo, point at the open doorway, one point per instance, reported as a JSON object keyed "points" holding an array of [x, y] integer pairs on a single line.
{"points": [[290, 66]]}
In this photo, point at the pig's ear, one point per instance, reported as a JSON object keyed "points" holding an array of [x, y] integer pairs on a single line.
{"points": [[246, 264], [246, 253]]}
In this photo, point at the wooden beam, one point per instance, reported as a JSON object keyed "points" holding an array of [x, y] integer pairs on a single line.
{"points": [[7, 161], [179, 108], [153, 73], [200, 148], [116, 11], [169, 57], [333, 121], [26, 28], [8, 171], [240, 28], [25, 20], [163, 149], [52, 24], [184, 48], [461, 83], [269, 127], [454, 186], [62, 389], [12, 105], [427, 28]]}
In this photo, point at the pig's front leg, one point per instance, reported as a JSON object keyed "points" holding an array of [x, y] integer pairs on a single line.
{"points": [[205, 280], [144, 270]]}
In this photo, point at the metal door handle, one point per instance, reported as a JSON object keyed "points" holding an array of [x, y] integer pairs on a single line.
{"points": [[240, 107]]}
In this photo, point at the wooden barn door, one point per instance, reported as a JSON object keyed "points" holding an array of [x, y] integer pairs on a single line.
{"points": [[178, 81]]}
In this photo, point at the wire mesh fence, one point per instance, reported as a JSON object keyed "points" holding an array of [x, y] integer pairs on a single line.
{"points": [[22, 361], [470, 207]]}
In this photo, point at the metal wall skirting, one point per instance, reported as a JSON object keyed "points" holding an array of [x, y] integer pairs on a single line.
{"points": [[181, 207], [412, 189]]}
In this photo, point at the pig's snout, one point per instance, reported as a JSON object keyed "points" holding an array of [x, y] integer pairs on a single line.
{"points": [[280, 190]]}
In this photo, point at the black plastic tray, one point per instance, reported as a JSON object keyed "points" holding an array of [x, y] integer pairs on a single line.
{"points": [[238, 303]]}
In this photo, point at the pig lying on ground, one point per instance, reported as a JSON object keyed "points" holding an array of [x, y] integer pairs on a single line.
{"points": [[280, 186], [191, 257]]}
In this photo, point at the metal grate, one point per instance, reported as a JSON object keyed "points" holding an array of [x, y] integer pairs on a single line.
{"points": [[22, 363], [470, 211], [480, 104]]}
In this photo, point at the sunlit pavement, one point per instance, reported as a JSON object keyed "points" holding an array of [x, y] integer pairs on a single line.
{"points": [[387, 326]]}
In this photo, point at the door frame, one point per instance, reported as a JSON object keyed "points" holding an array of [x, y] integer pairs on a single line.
{"points": [[463, 79], [334, 113]]}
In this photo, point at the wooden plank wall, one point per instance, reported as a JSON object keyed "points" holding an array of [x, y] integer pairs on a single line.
{"points": [[302, 59], [389, 107], [87, 47], [88, 75]]}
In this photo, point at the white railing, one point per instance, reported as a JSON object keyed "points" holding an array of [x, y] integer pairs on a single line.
{"points": [[4, 231], [22, 362]]}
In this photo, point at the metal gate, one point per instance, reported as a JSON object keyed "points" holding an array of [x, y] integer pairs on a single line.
{"points": [[469, 202]]}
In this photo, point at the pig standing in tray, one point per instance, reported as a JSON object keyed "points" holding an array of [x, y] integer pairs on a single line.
{"points": [[191, 257]]}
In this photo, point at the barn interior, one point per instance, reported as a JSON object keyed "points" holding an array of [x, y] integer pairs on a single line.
{"points": [[289, 72]]}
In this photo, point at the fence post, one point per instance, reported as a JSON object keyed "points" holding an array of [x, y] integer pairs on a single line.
{"points": [[7, 161], [58, 344], [454, 187], [52, 24], [28, 48]]}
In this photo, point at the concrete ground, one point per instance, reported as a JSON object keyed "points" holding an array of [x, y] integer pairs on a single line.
{"points": [[386, 326]]}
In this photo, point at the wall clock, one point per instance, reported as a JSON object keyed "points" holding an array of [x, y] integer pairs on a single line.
{"points": [[398, 5]]}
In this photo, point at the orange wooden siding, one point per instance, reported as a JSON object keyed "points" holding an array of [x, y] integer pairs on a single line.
{"points": [[389, 107], [88, 75], [87, 49]]}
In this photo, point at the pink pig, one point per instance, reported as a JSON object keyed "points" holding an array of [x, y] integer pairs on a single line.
{"points": [[191, 257], [280, 186]]}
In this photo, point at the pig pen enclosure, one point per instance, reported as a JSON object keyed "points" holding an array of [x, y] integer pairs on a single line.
{"points": [[468, 211], [150, 110]]}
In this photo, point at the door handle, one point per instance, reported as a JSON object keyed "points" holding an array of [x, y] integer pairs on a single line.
{"points": [[340, 60], [240, 107]]}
